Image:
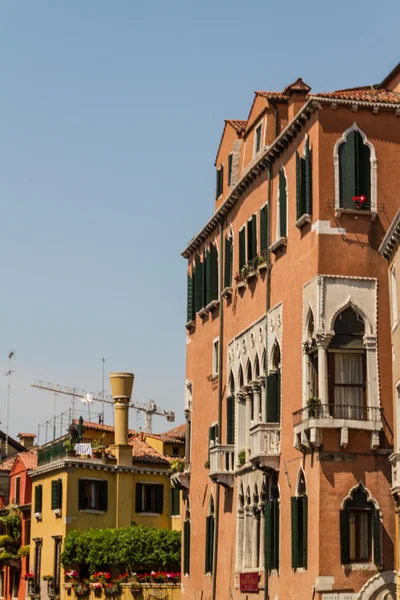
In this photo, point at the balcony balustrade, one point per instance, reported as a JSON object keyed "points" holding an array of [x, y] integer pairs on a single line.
{"points": [[310, 421], [222, 464], [265, 445]]}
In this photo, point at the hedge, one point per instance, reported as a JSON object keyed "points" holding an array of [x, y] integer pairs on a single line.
{"points": [[135, 549]]}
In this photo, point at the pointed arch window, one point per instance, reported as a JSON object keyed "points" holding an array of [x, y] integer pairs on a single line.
{"points": [[299, 506], [355, 171], [271, 523], [303, 182], [274, 387], [360, 529], [230, 411], [209, 538]]}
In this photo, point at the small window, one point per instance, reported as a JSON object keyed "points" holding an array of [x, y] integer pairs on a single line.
{"points": [[27, 532], [220, 182], [360, 529], [175, 502], [175, 451], [355, 172], [393, 290], [17, 494], [56, 494], [38, 498], [282, 206], [149, 498], [257, 139], [92, 495], [230, 161], [215, 357]]}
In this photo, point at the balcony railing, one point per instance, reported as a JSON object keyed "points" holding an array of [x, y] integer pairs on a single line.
{"points": [[265, 444], [348, 412], [222, 464], [56, 450]]}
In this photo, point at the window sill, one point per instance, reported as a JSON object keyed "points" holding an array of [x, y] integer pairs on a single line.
{"points": [[203, 313], [144, 514], [92, 511], [241, 285], [213, 305], [175, 516], [191, 325], [304, 219], [372, 214], [251, 275], [281, 243], [262, 267], [360, 567], [227, 292]]}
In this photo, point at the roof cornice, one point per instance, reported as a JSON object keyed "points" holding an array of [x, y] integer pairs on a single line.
{"points": [[391, 240], [366, 103], [253, 171]]}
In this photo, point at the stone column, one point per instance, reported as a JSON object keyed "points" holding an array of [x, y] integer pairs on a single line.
{"points": [[240, 540], [257, 402], [247, 561], [247, 395], [323, 341], [261, 379], [262, 536], [255, 538]]}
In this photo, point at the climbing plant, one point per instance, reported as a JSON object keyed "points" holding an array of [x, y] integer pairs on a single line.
{"points": [[10, 522]]}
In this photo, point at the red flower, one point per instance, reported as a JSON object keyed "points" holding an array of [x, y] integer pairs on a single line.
{"points": [[362, 198]]}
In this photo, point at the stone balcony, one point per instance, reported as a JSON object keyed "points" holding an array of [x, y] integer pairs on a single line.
{"points": [[395, 461], [181, 480], [310, 422], [222, 464], [265, 445]]}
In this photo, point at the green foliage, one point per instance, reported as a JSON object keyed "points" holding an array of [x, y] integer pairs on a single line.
{"points": [[177, 465], [242, 457], [132, 548], [6, 541], [11, 522], [24, 551]]}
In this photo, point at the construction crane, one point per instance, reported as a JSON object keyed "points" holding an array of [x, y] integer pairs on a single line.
{"points": [[149, 409]]}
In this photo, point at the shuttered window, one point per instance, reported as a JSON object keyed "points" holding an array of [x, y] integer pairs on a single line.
{"points": [[360, 530], [354, 171], [213, 268], [220, 182], [299, 509], [303, 182], [263, 228], [228, 262], [207, 278], [230, 161], [252, 238], [190, 299], [282, 204], [186, 547], [149, 498], [242, 247], [175, 502], [198, 284], [230, 420], [274, 397], [17, 494], [271, 537], [56, 494], [38, 498], [209, 543], [93, 495]]}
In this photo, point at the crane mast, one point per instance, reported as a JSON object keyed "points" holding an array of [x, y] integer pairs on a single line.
{"points": [[149, 409]]}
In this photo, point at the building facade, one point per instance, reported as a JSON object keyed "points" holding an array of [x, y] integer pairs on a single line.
{"points": [[289, 362]]}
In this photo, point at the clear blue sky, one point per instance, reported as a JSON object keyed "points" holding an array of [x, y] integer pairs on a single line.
{"points": [[111, 115]]}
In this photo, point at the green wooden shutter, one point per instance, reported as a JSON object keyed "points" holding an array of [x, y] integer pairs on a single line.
{"points": [[54, 495], [190, 299], [295, 533], [186, 547], [139, 498], [242, 247], [347, 171], [38, 498], [221, 179], [198, 284], [263, 229], [207, 557], [81, 494], [268, 546], [376, 536], [159, 498], [275, 528], [60, 493], [103, 495], [344, 537], [304, 501], [230, 160], [273, 398], [308, 178], [254, 236], [282, 204], [230, 420], [213, 264], [175, 501], [228, 263], [249, 240], [298, 187], [207, 278], [211, 542], [363, 170]]}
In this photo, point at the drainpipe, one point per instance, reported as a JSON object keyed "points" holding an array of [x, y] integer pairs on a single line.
{"points": [[267, 307], [220, 392]]}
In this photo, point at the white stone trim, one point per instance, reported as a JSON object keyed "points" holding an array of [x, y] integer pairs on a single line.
{"points": [[322, 227], [373, 163], [378, 583], [370, 498]]}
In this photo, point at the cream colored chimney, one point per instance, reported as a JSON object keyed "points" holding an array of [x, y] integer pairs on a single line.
{"points": [[27, 440], [121, 389]]}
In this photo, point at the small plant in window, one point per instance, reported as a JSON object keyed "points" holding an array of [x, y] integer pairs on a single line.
{"points": [[98, 445], [207, 464], [238, 277], [359, 201], [82, 589], [245, 270], [71, 576], [29, 576], [242, 457], [313, 404]]}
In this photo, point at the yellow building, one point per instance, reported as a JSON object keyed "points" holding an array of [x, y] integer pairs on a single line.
{"points": [[106, 479]]}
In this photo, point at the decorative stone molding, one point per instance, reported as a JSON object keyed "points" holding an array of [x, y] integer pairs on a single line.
{"points": [[274, 332], [380, 583], [370, 498]]}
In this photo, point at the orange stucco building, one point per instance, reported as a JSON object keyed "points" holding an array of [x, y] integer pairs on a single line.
{"points": [[289, 362]]}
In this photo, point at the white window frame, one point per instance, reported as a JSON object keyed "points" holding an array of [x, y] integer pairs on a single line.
{"points": [[219, 169], [256, 128], [215, 357], [278, 207], [394, 312]]}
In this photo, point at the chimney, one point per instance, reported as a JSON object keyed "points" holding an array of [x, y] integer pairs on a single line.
{"points": [[121, 389], [297, 93], [27, 440]]}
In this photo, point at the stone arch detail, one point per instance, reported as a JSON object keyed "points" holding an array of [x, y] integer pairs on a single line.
{"points": [[370, 498], [350, 304], [384, 581]]}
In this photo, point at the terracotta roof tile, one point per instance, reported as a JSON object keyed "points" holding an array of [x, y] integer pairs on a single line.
{"points": [[363, 95], [272, 95], [238, 126], [143, 452], [29, 458], [26, 435], [99, 427], [178, 433], [7, 464]]}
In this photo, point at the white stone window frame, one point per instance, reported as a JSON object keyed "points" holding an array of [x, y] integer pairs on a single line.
{"points": [[373, 163], [215, 358], [394, 307], [278, 236], [260, 125]]}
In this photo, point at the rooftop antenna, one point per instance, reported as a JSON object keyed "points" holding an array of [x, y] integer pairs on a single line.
{"points": [[8, 374], [102, 390], [54, 415]]}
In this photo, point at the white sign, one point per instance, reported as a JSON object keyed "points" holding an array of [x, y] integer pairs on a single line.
{"points": [[339, 596]]}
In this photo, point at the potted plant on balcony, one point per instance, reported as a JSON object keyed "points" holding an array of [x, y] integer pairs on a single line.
{"points": [[82, 589], [112, 589], [98, 446], [242, 457], [70, 578], [313, 404], [177, 465], [69, 447], [207, 464]]}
